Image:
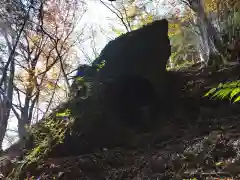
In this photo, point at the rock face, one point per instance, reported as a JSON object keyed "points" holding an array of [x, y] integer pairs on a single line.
{"points": [[143, 52], [79, 86], [132, 72], [131, 98]]}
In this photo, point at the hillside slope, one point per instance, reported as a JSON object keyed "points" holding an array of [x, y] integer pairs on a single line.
{"points": [[198, 138]]}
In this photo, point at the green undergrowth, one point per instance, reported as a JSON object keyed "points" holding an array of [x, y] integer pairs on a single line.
{"points": [[227, 90], [60, 135], [46, 134], [49, 133]]}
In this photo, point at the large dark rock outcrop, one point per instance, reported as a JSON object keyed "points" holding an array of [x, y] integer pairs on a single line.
{"points": [[132, 72], [133, 83], [143, 52]]}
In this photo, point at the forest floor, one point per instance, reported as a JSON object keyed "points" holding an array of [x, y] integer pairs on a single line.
{"points": [[200, 143]]}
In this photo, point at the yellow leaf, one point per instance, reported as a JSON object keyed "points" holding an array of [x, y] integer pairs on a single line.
{"points": [[174, 28], [50, 85], [35, 39], [210, 5], [117, 31], [219, 164]]}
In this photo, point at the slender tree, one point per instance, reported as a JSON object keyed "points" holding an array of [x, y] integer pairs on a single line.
{"points": [[40, 37]]}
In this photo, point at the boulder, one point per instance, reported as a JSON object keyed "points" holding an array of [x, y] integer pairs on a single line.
{"points": [[132, 76], [143, 52]]}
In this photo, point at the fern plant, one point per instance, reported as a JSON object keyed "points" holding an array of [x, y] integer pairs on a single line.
{"points": [[230, 90]]}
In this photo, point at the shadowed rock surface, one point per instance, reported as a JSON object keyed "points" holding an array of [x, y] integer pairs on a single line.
{"points": [[131, 74], [141, 53]]}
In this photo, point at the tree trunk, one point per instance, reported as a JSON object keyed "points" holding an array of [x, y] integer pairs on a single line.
{"points": [[211, 41], [25, 119], [3, 122], [6, 104]]}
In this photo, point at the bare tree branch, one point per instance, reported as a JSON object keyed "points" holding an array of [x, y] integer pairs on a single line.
{"points": [[10, 58], [120, 16]]}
